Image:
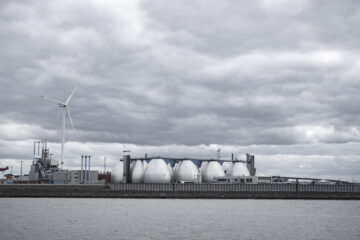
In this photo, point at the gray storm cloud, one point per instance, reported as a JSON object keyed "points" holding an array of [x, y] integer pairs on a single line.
{"points": [[186, 74]]}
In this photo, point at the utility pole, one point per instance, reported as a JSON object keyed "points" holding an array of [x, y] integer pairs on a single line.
{"points": [[85, 170], [21, 172], [81, 171], [89, 170], [105, 165]]}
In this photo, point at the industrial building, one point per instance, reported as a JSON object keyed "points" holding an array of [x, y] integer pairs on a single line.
{"points": [[74, 177], [158, 170], [167, 170], [153, 170], [45, 170]]}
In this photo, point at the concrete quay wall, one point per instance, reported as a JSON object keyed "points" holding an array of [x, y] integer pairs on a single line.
{"points": [[103, 191]]}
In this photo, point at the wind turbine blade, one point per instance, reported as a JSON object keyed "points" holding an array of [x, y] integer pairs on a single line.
{"points": [[52, 99], [69, 98], [72, 124]]}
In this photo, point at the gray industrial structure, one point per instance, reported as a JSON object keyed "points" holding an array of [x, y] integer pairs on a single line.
{"points": [[74, 177], [242, 172], [45, 170], [42, 167], [126, 170], [250, 164]]}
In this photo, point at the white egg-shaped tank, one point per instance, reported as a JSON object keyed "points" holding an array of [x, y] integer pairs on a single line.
{"points": [[176, 169], [239, 169], [203, 168], [117, 172], [137, 172], [145, 164], [187, 171], [227, 166], [171, 171], [213, 169], [157, 171]]}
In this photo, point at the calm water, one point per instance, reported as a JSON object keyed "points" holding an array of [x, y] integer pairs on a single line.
{"points": [[42, 218]]}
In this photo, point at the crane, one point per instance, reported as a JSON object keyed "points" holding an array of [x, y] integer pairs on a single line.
{"points": [[4, 169]]}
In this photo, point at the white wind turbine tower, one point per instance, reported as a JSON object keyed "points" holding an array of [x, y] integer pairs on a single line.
{"points": [[64, 107]]}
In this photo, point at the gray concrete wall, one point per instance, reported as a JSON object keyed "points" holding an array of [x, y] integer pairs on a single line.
{"points": [[164, 191]]}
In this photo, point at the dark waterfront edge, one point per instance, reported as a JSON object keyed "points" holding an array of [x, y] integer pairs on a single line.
{"points": [[102, 191]]}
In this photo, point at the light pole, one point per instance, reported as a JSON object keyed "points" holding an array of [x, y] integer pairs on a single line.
{"points": [[21, 172]]}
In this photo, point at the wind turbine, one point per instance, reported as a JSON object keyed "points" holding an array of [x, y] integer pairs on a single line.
{"points": [[64, 107]]}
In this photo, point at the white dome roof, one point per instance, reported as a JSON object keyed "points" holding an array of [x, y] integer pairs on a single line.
{"points": [[137, 172], [170, 170], [157, 171], [227, 166], [117, 172], [213, 169], [203, 167], [239, 169], [175, 169], [187, 171]]}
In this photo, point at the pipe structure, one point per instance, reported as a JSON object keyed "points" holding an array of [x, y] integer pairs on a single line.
{"points": [[81, 171], [197, 159], [252, 161], [34, 152], [39, 147], [85, 168], [21, 170], [126, 167], [312, 179], [89, 170]]}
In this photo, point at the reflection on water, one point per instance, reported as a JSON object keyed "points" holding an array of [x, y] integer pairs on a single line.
{"points": [[46, 218]]}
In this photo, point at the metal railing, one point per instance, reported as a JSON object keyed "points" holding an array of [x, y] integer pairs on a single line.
{"points": [[226, 187]]}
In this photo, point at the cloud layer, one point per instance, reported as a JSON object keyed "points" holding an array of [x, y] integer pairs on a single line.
{"points": [[186, 75]]}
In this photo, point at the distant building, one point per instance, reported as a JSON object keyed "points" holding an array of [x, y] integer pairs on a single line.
{"points": [[74, 177]]}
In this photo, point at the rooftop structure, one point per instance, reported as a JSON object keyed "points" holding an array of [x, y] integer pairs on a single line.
{"points": [[43, 165]]}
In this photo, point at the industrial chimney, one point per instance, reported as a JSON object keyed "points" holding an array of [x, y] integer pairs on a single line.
{"points": [[250, 164], [126, 169]]}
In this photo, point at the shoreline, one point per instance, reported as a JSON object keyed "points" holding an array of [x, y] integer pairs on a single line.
{"points": [[104, 191]]}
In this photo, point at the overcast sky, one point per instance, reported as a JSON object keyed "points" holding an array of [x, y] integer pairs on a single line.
{"points": [[278, 79]]}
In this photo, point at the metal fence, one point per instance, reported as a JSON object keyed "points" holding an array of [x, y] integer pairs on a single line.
{"points": [[208, 187]]}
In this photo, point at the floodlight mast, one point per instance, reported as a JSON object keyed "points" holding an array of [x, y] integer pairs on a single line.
{"points": [[65, 109]]}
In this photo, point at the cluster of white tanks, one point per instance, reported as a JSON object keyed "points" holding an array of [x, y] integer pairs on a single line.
{"points": [[158, 171]]}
